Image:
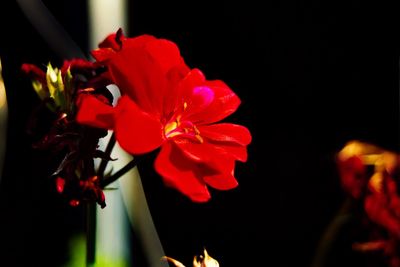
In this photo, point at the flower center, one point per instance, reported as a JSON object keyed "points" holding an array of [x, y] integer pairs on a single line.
{"points": [[184, 128]]}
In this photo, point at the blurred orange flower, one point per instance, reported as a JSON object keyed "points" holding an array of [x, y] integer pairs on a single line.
{"points": [[198, 261]]}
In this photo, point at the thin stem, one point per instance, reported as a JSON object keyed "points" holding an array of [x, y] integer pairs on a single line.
{"points": [[104, 161], [118, 174], [330, 236]]}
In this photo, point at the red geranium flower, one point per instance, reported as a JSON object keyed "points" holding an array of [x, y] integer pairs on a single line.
{"points": [[167, 105]]}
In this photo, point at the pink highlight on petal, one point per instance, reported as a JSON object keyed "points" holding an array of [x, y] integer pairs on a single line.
{"points": [[199, 100]]}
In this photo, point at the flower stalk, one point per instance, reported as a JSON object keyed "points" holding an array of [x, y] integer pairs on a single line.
{"points": [[109, 180], [104, 161]]}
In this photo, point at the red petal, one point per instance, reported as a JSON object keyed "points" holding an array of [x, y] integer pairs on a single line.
{"points": [[377, 208], [200, 152], [181, 82], [224, 179], [142, 70], [114, 42], [194, 78], [221, 181], [225, 103], [102, 54], [137, 131], [217, 170], [237, 152], [174, 96], [165, 53], [78, 64], [201, 97], [34, 72], [226, 132], [197, 152], [93, 112], [140, 77], [218, 158], [353, 176], [60, 184], [180, 173]]}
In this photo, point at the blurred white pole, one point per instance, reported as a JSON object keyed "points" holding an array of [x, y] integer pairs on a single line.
{"points": [[3, 121], [107, 16], [112, 229]]}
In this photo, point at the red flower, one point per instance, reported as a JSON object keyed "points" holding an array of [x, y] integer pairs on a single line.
{"points": [[353, 174], [167, 105], [371, 175]]}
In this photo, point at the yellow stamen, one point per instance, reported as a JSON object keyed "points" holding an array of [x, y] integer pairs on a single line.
{"points": [[170, 127], [196, 130], [198, 137], [185, 128]]}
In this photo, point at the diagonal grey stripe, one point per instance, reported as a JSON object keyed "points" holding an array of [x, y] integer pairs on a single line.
{"points": [[49, 28]]}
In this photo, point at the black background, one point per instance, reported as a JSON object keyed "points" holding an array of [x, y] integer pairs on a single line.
{"points": [[312, 75]]}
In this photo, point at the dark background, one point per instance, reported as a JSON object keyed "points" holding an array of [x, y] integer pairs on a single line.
{"points": [[312, 75]]}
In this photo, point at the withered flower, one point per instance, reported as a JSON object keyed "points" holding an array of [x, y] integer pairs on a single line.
{"points": [[204, 260], [370, 174]]}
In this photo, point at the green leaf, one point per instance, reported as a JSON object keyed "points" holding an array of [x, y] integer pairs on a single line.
{"points": [[51, 79]]}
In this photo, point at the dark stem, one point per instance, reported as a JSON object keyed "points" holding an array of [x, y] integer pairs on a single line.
{"points": [[104, 161], [118, 174], [90, 234], [331, 234]]}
